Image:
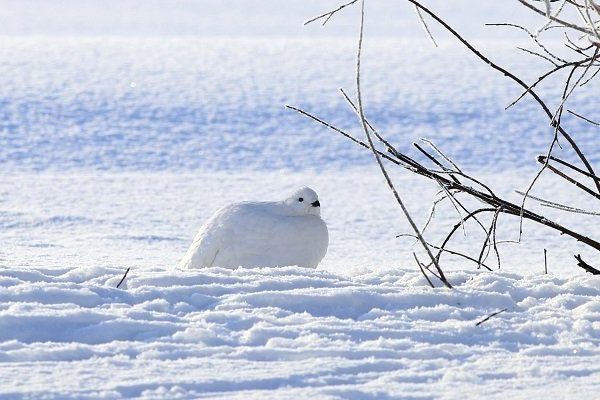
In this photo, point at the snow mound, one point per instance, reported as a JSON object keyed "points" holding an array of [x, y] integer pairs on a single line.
{"points": [[287, 332]]}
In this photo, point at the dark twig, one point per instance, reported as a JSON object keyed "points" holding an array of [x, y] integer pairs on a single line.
{"points": [[508, 74], [546, 75], [453, 173], [533, 53], [494, 201], [494, 237], [491, 316], [552, 18], [556, 118], [445, 250], [573, 181], [535, 39], [367, 131], [542, 159], [567, 95], [423, 271], [123, 278], [590, 78], [584, 118], [327, 16], [586, 266], [346, 135]]}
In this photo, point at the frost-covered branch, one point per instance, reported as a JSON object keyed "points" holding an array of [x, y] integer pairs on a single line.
{"points": [[451, 179]]}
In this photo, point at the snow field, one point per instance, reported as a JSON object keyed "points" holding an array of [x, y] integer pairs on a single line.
{"points": [[249, 332], [363, 325], [148, 220], [217, 104]]}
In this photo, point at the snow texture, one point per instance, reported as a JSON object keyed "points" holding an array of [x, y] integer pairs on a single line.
{"points": [[149, 104], [295, 332], [363, 325]]}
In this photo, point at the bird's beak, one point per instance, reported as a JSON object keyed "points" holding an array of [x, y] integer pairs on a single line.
{"points": [[316, 204]]}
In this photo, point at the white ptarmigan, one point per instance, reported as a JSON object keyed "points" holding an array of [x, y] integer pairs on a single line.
{"points": [[262, 234]]}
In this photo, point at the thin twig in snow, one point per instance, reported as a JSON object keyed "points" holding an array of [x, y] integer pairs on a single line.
{"points": [[491, 316], [123, 278], [423, 271]]}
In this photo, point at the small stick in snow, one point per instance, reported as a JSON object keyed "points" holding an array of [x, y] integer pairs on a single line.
{"points": [[490, 316], [123, 278], [423, 271], [545, 262]]}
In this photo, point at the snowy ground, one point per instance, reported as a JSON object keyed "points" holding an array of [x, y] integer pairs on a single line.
{"points": [[115, 149], [290, 333], [364, 325]]}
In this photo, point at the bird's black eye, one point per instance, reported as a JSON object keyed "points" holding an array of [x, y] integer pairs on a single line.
{"points": [[301, 199]]}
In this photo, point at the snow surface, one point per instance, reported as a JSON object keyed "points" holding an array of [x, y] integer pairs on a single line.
{"points": [[293, 332], [218, 104], [125, 125], [363, 325]]}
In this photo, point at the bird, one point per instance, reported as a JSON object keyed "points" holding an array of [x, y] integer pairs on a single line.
{"points": [[255, 234]]}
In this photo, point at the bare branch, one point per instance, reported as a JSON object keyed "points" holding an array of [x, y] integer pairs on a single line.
{"points": [[586, 266], [425, 27], [327, 16], [584, 118], [507, 207], [508, 74], [423, 271], [534, 38], [361, 115], [552, 18]]}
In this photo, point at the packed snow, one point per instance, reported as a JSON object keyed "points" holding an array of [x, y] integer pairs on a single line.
{"points": [[125, 125], [294, 332]]}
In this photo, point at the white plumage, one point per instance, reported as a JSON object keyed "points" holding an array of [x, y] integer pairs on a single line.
{"points": [[262, 234]]}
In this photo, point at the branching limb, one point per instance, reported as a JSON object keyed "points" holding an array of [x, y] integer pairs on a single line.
{"points": [[494, 201], [507, 73], [445, 250], [489, 239], [554, 19], [327, 16]]}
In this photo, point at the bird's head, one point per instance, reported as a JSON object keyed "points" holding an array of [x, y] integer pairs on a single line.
{"points": [[304, 201]]}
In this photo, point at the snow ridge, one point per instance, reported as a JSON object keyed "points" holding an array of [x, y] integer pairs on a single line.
{"points": [[384, 333]]}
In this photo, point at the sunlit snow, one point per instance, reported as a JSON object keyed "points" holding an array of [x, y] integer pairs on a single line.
{"points": [[125, 125]]}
